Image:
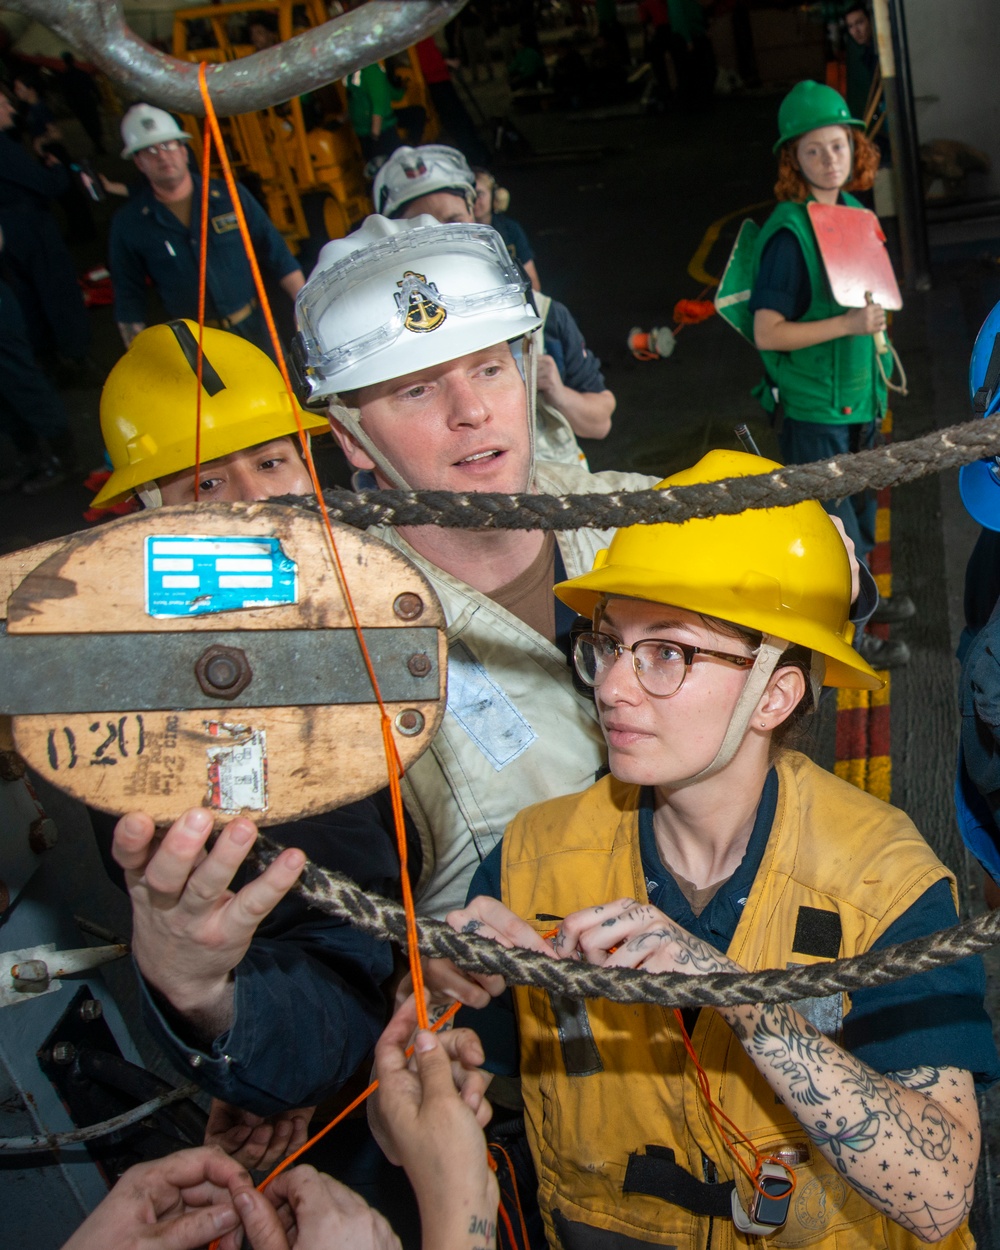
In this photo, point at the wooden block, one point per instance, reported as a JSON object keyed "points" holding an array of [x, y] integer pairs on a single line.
{"points": [[95, 581], [16, 566], [275, 764], [308, 760]]}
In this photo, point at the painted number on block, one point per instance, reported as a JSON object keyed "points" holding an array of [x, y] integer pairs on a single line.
{"points": [[107, 742]]}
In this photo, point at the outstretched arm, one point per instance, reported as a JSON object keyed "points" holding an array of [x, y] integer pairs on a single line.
{"points": [[189, 929], [908, 1142], [436, 1131], [224, 982]]}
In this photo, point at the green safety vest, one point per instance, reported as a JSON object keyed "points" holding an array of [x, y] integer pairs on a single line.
{"points": [[833, 383]]}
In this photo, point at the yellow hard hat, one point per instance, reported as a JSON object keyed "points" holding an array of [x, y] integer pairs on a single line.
{"points": [[780, 571], [148, 404]]}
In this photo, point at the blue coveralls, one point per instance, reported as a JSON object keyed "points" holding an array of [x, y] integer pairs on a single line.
{"points": [[148, 241], [38, 262], [29, 404]]}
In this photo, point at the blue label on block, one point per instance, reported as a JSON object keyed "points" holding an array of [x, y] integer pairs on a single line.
{"points": [[189, 575]]}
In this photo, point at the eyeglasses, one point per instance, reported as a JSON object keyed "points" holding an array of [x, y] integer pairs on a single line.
{"points": [[660, 664], [168, 145]]}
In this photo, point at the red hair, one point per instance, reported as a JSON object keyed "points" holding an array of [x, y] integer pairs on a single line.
{"points": [[792, 186]]}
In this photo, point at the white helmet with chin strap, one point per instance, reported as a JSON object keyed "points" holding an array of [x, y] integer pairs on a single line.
{"points": [[398, 296], [414, 172]]}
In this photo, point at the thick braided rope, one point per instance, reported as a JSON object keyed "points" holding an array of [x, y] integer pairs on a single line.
{"points": [[824, 479], [336, 895]]}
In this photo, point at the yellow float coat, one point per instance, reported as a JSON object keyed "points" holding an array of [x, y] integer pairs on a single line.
{"points": [[832, 848]]}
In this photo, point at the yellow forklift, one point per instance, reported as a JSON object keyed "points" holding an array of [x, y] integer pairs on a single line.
{"points": [[302, 157]]}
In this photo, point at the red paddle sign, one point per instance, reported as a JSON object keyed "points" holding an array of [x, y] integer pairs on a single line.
{"points": [[852, 246]]}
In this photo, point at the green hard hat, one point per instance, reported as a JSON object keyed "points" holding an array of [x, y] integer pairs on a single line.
{"points": [[808, 106]]}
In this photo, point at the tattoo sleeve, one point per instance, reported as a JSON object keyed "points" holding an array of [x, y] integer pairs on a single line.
{"points": [[907, 1141], [689, 954]]}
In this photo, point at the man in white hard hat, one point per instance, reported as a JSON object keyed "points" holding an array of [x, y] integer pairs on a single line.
{"points": [[155, 239], [413, 335], [573, 399]]}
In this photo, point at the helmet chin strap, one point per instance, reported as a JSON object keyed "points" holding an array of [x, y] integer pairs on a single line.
{"points": [[149, 495], [529, 372], [817, 672], [769, 655], [350, 419]]}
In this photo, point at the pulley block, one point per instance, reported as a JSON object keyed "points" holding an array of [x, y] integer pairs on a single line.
{"points": [[204, 655]]}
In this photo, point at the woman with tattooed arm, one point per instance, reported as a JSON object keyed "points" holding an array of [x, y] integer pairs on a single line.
{"points": [[712, 847]]}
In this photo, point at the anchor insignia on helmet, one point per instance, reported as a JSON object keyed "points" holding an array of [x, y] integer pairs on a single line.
{"points": [[421, 312]]}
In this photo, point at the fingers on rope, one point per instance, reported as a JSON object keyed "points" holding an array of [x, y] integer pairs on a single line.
{"points": [[336, 895]]}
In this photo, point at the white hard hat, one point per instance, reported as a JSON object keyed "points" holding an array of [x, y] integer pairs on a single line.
{"points": [[414, 172], [397, 296], [143, 125]]}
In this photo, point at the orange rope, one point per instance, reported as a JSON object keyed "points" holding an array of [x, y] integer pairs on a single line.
{"points": [[689, 312], [517, 1199], [680, 321], [393, 762], [502, 1212], [718, 1116], [206, 161], [409, 908], [287, 1163]]}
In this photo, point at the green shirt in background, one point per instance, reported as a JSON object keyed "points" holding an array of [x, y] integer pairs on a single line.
{"points": [[369, 95]]}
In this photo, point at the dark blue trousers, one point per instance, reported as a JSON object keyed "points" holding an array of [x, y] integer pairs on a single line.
{"points": [[29, 404], [804, 441], [43, 275]]}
